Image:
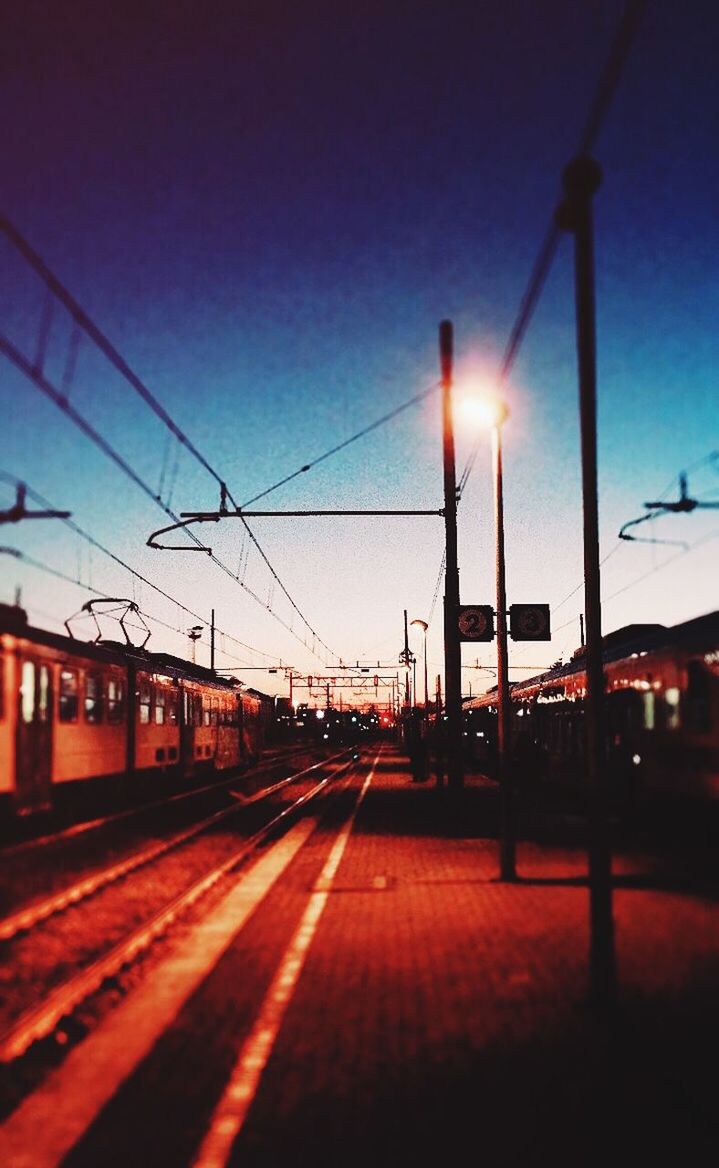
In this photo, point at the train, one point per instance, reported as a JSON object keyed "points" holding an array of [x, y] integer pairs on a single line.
{"points": [[83, 717], [661, 717]]}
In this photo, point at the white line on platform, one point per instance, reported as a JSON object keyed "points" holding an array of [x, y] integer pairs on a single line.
{"points": [[47, 1124], [232, 1109]]}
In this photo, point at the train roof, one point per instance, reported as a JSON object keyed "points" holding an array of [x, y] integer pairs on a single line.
{"points": [[699, 634], [14, 620]]}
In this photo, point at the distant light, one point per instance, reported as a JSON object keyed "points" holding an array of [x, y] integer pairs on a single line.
{"points": [[320, 714], [325, 735], [353, 718], [636, 759]]}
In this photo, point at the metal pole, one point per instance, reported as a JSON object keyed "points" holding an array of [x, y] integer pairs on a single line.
{"points": [[582, 179], [581, 629], [452, 648], [507, 850], [405, 657], [426, 693], [212, 642]]}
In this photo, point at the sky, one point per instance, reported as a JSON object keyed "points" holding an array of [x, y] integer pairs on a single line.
{"points": [[268, 209]]}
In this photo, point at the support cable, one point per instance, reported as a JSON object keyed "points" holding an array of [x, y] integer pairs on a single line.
{"points": [[90, 539], [58, 574], [46, 387]]}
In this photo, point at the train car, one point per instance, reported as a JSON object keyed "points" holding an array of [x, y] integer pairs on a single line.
{"points": [[661, 714], [76, 717]]}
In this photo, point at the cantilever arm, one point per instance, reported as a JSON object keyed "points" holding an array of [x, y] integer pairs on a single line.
{"points": [[638, 538], [183, 523]]}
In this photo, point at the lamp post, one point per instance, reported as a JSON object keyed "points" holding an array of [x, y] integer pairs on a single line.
{"points": [[424, 626], [507, 851], [492, 411]]}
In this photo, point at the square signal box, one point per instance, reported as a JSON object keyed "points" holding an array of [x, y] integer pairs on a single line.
{"points": [[529, 622]]}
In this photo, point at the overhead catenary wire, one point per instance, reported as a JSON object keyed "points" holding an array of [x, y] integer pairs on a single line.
{"points": [[81, 320], [603, 97], [413, 401], [46, 387], [651, 572], [58, 574], [708, 459], [90, 539], [34, 371]]}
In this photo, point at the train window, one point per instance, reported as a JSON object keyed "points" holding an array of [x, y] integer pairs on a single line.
{"points": [[672, 709], [648, 710], [43, 703], [171, 706], [207, 712], [145, 702], [27, 692], [159, 706], [94, 699], [214, 713], [67, 704], [115, 701]]}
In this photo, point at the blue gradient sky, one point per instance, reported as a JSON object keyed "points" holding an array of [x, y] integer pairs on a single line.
{"points": [[268, 209]]}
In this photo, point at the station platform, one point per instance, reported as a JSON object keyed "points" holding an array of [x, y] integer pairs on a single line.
{"points": [[432, 1014], [443, 1017]]}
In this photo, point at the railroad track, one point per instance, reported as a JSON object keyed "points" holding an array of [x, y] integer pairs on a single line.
{"points": [[268, 763], [41, 1019], [26, 918]]}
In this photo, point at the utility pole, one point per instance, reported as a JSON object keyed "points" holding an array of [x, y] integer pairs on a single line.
{"points": [[406, 658], [507, 849], [581, 180], [212, 641], [452, 647], [581, 629]]}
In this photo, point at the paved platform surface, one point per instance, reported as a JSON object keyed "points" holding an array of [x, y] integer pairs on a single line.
{"points": [[443, 1018]]}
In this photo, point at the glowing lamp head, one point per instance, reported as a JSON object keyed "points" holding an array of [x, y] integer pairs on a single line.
{"points": [[485, 411]]}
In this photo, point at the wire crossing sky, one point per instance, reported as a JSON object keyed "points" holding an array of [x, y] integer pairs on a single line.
{"points": [[239, 230]]}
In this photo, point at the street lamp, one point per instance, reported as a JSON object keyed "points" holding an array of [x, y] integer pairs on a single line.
{"points": [[507, 857], [424, 626], [194, 634], [493, 411]]}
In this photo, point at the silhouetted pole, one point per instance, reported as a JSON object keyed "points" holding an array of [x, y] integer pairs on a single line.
{"points": [[405, 655], [452, 648], [507, 849], [582, 179], [212, 642]]}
